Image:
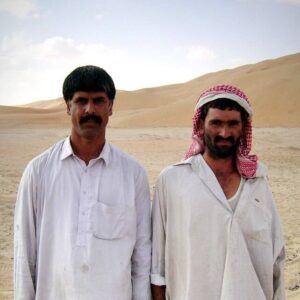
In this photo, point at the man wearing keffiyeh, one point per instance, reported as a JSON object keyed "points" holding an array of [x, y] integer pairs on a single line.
{"points": [[216, 230]]}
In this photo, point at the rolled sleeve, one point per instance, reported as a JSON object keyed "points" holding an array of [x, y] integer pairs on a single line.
{"points": [[157, 279]]}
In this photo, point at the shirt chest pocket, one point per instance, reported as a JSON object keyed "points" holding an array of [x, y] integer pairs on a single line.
{"points": [[257, 221], [110, 222]]}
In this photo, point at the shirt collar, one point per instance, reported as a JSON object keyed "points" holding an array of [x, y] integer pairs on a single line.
{"points": [[105, 153], [198, 164], [197, 160], [187, 161], [67, 151]]}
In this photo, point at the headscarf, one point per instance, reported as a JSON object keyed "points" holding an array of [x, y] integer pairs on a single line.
{"points": [[246, 163]]}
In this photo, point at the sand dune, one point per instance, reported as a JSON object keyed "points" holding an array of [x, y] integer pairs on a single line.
{"points": [[55, 104], [273, 87]]}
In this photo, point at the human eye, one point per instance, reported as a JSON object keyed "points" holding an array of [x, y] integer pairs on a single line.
{"points": [[81, 100], [215, 122], [234, 123], [99, 100]]}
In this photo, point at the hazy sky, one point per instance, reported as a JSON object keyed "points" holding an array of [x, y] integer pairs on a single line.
{"points": [[141, 43]]}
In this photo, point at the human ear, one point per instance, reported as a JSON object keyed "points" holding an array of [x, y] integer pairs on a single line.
{"points": [[201, 126], [68, 108], [111, 108]]}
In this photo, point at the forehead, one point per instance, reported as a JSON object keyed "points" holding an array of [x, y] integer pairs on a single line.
{"points": [[92, 95], [223, 115]]}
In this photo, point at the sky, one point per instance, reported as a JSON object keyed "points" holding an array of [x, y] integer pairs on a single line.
{"points": [[140, 43]]}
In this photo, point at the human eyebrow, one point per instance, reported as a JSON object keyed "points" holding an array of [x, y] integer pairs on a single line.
{"points": [[215, 122], [81, 99], [99, 99], [234, 122]]}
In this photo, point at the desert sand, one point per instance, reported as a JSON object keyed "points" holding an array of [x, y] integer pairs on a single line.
{"points": [[154, 125]]}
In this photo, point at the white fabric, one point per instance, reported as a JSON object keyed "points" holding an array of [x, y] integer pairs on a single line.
{"points": [[230, 96], [203, 250], [82, 232], [233, 201]]}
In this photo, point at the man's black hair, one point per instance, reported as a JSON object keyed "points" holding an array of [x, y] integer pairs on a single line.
{"points": [[223, 104], [88, 79]]}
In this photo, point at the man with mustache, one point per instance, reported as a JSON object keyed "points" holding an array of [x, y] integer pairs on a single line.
{"points": [[82, 218], [216, 231]]}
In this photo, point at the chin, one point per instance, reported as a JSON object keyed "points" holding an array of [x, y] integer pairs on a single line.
{"points": [[90, 134]]}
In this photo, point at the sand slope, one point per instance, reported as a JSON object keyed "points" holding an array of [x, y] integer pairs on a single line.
{"points": [[273, 87]]}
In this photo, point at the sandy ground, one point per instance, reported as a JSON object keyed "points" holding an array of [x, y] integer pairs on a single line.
{"points": [[156, 148]]}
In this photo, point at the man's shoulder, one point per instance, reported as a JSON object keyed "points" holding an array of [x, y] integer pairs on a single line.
{"points": [[261, 170], [118, 155], [42, 158], [178, 168]]}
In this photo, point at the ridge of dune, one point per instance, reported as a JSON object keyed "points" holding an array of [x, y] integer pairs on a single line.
{"points": [[55, 104], [272, 85], [27, 109]]}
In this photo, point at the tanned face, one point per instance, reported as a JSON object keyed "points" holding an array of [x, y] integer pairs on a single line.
{"points": [[222, 132], [90, 112]]}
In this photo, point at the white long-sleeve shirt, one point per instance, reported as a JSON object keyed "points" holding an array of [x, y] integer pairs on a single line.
{"points": [[203, 249], [82, 232]]}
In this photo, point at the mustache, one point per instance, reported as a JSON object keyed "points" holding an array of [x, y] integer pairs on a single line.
{"points": [[229, 139], [86, 118]]}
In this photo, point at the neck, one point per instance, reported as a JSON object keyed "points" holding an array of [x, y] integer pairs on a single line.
{"points": [[226, 173], [221, 166], [87, 149]]}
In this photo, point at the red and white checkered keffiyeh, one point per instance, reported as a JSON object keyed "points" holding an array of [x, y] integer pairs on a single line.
{"points": [[246, 163]]}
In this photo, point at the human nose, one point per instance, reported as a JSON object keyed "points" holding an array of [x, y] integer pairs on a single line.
{"points": [[90, 108], [224, 131]]}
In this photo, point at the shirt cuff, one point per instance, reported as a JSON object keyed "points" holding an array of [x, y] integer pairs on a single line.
{"points": [[157, 279]]}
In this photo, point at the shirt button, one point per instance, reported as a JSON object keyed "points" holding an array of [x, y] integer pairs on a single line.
{"points": [[84, 268]]}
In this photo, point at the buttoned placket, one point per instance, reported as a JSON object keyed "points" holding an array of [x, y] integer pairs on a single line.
{"points": [[86, 201]]}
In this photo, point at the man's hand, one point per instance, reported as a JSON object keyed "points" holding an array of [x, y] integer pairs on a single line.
{"points": [[158, 292]]}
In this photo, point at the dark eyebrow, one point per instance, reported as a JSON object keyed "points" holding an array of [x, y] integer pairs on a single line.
{"points": [[81, 99], [230, 122], [215, 121], [99, 98], [234, 121]]}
